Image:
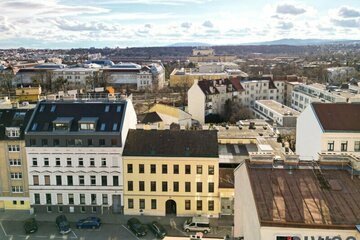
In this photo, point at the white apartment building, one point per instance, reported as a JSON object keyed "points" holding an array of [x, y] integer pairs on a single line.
{"points": [[328, 128], [209, 96], [74, 154], [275, 112], [136, 76], [303, 95], [75, 76]]}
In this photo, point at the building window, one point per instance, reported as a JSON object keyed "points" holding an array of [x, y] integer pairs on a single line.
{"points": [[198, 169], [115, 181], [164, 168], [46, 162], [199, 187], [13, 132], [37, 198], [142, 203], [16, 175], [59, 198], [90, 142], [164, 186], [82, 198], [44, 142], [57, 162], [71, 198], [153, 168], [141, 186], [81, 162], [101, 142], [176, 186], [36, 180], [187, 169], [82, 209], [78, 142], [49, 209], [60, 209], [58, 180], [199, 205], [153, 186], [176, 169], [34, 162], [141, 168], [113, 142], [93, 199], [103, 180], [211, 205], [211, 187], [68, 162], [211, 169], [187, 204], [92, 162], [130, 168], [47, 180], [56, 142], [357, 146], [331, 146], [130, 186], [81, 180], [48, 198], [105, 199], [187, 186], [14, 162], [93, 180], [344, 146], [153, 203], [130, 203], [17, 189], [32, 142], [103, 162], [70, 181]]}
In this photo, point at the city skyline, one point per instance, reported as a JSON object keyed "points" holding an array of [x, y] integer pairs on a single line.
{"points": [[143, 23]]}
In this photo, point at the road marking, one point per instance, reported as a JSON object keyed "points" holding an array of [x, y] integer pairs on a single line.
{"points": [[130, 232], [74, 234], [2, 227]]}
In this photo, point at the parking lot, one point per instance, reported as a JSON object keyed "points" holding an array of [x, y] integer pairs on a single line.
{"points": [[14, 230]]}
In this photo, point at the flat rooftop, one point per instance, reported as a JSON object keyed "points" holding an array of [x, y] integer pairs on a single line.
{"points": [[278, 107], [305, 198], [235, 132]]}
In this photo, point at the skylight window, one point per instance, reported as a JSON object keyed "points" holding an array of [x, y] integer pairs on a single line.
{"points": [[118, 109], [115, 127], [107, 108], [53, 107], [42, 107], [102, 127], [34, 126], [19, 115]]}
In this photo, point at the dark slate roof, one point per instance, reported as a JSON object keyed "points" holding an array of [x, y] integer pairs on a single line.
{"points": [[14, 118], [338, 116], [171, 143], [151, 117], [206, 85], [104, 112]]}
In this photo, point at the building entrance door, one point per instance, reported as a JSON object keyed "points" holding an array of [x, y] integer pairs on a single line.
{"points": [[170, 207], [116, 200]]}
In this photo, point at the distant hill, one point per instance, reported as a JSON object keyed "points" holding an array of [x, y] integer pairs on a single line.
{"points": [[190, 44], [303, 42]]}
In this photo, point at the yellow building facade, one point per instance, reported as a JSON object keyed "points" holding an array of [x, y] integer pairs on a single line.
{"points": [[171, 172], [28, 94], [171, 185], [186, 77]]}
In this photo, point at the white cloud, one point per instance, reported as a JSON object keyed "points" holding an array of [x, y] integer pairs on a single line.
{"points": [[208, 24], [186, 25], [285, 25], [348, 12], [291, 9]]}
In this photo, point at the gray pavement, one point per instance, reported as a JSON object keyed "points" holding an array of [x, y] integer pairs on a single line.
{"points": [[113, 228]]}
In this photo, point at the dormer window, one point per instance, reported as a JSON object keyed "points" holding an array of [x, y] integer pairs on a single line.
{"points": [[107, 108], [88, 123], [13, 132], [62, 123]]}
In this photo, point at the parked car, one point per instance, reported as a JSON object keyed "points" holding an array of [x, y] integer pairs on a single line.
{"points": [[30, 226], [63, 224], [158, 230], [136, 227], [197, 224], [90, 222]]}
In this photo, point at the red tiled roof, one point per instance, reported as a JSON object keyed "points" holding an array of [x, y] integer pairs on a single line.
{"points": [[338, 116]]}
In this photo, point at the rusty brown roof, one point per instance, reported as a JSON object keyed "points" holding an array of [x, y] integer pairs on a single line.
{"points": [[300, 199], [338, 116]]}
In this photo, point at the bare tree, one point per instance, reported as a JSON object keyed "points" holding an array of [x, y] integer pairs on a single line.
{"points": [[6, 79]]}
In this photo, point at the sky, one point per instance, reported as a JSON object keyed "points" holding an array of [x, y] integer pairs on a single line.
{"points": [[144, 23]]}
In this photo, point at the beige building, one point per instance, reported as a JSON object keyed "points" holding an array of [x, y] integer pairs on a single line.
{"points": [[206, 54], [171, 172], [14, 191], [328, 128], [296, 202]]}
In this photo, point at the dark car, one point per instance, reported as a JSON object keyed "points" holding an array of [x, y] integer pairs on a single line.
{"points": [[136, 227], [90, 222], [158, 230], [30, 226], [62, 224]]}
